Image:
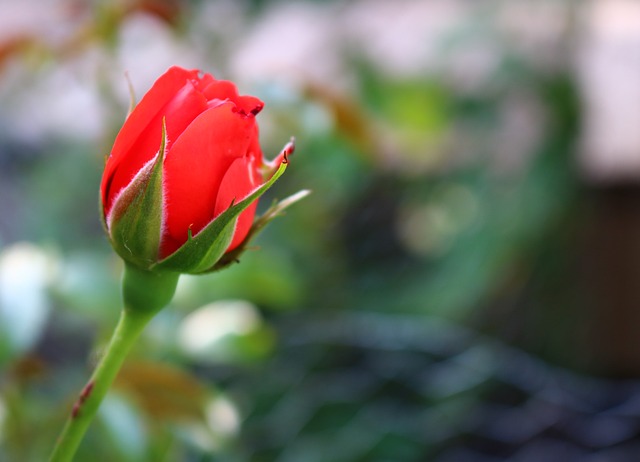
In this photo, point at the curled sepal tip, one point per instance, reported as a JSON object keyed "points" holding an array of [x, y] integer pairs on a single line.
{"points": [[263, 220]]}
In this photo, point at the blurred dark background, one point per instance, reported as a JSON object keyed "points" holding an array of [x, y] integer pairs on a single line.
{"points": [[462, 285]]}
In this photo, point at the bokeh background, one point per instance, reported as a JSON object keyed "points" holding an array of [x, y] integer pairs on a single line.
{"points": [[462, 285]]}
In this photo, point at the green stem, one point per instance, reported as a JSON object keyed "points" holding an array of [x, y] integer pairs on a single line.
{"points": [[144, 294], [125, 335]]}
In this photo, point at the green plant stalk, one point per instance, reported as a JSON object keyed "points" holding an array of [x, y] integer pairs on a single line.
{"points": [[144, 294]]}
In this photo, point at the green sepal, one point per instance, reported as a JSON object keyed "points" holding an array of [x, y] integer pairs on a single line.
{"points": [[103, 219], [135, 221], [202, 251], [263, 220]]}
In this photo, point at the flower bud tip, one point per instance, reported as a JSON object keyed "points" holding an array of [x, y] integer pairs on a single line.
{"points": [[257, 109]]}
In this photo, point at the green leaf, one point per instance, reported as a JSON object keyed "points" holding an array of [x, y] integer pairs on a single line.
{"points": [[201, 252], [135, 221]]}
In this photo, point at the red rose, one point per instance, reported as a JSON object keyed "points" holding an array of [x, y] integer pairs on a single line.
{"points": [[196, 139]]}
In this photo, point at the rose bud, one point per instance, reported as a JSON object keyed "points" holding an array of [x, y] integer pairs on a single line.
{"points": [[181, 184]]}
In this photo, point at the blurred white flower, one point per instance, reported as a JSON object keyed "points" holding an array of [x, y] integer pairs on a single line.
{"points": [[535, 28], [125, 424], [52, 21], [147, 47], [206, 328], [291, 42], [402, 38], [609, 77], [61, 100], [26, 272], [222, 421], [41, 97], [222, 416]]}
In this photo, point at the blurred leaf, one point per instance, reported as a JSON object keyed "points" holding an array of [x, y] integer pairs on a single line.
{"points": [[66, 215], [165, 392], [350, 119], [89, 285]]}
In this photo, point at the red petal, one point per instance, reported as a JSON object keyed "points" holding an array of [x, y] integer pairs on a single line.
{"points": [[239, 181], [221, 89], [224, 89], [250, 104], [203, 81], [195, 167], [171, 96]]}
